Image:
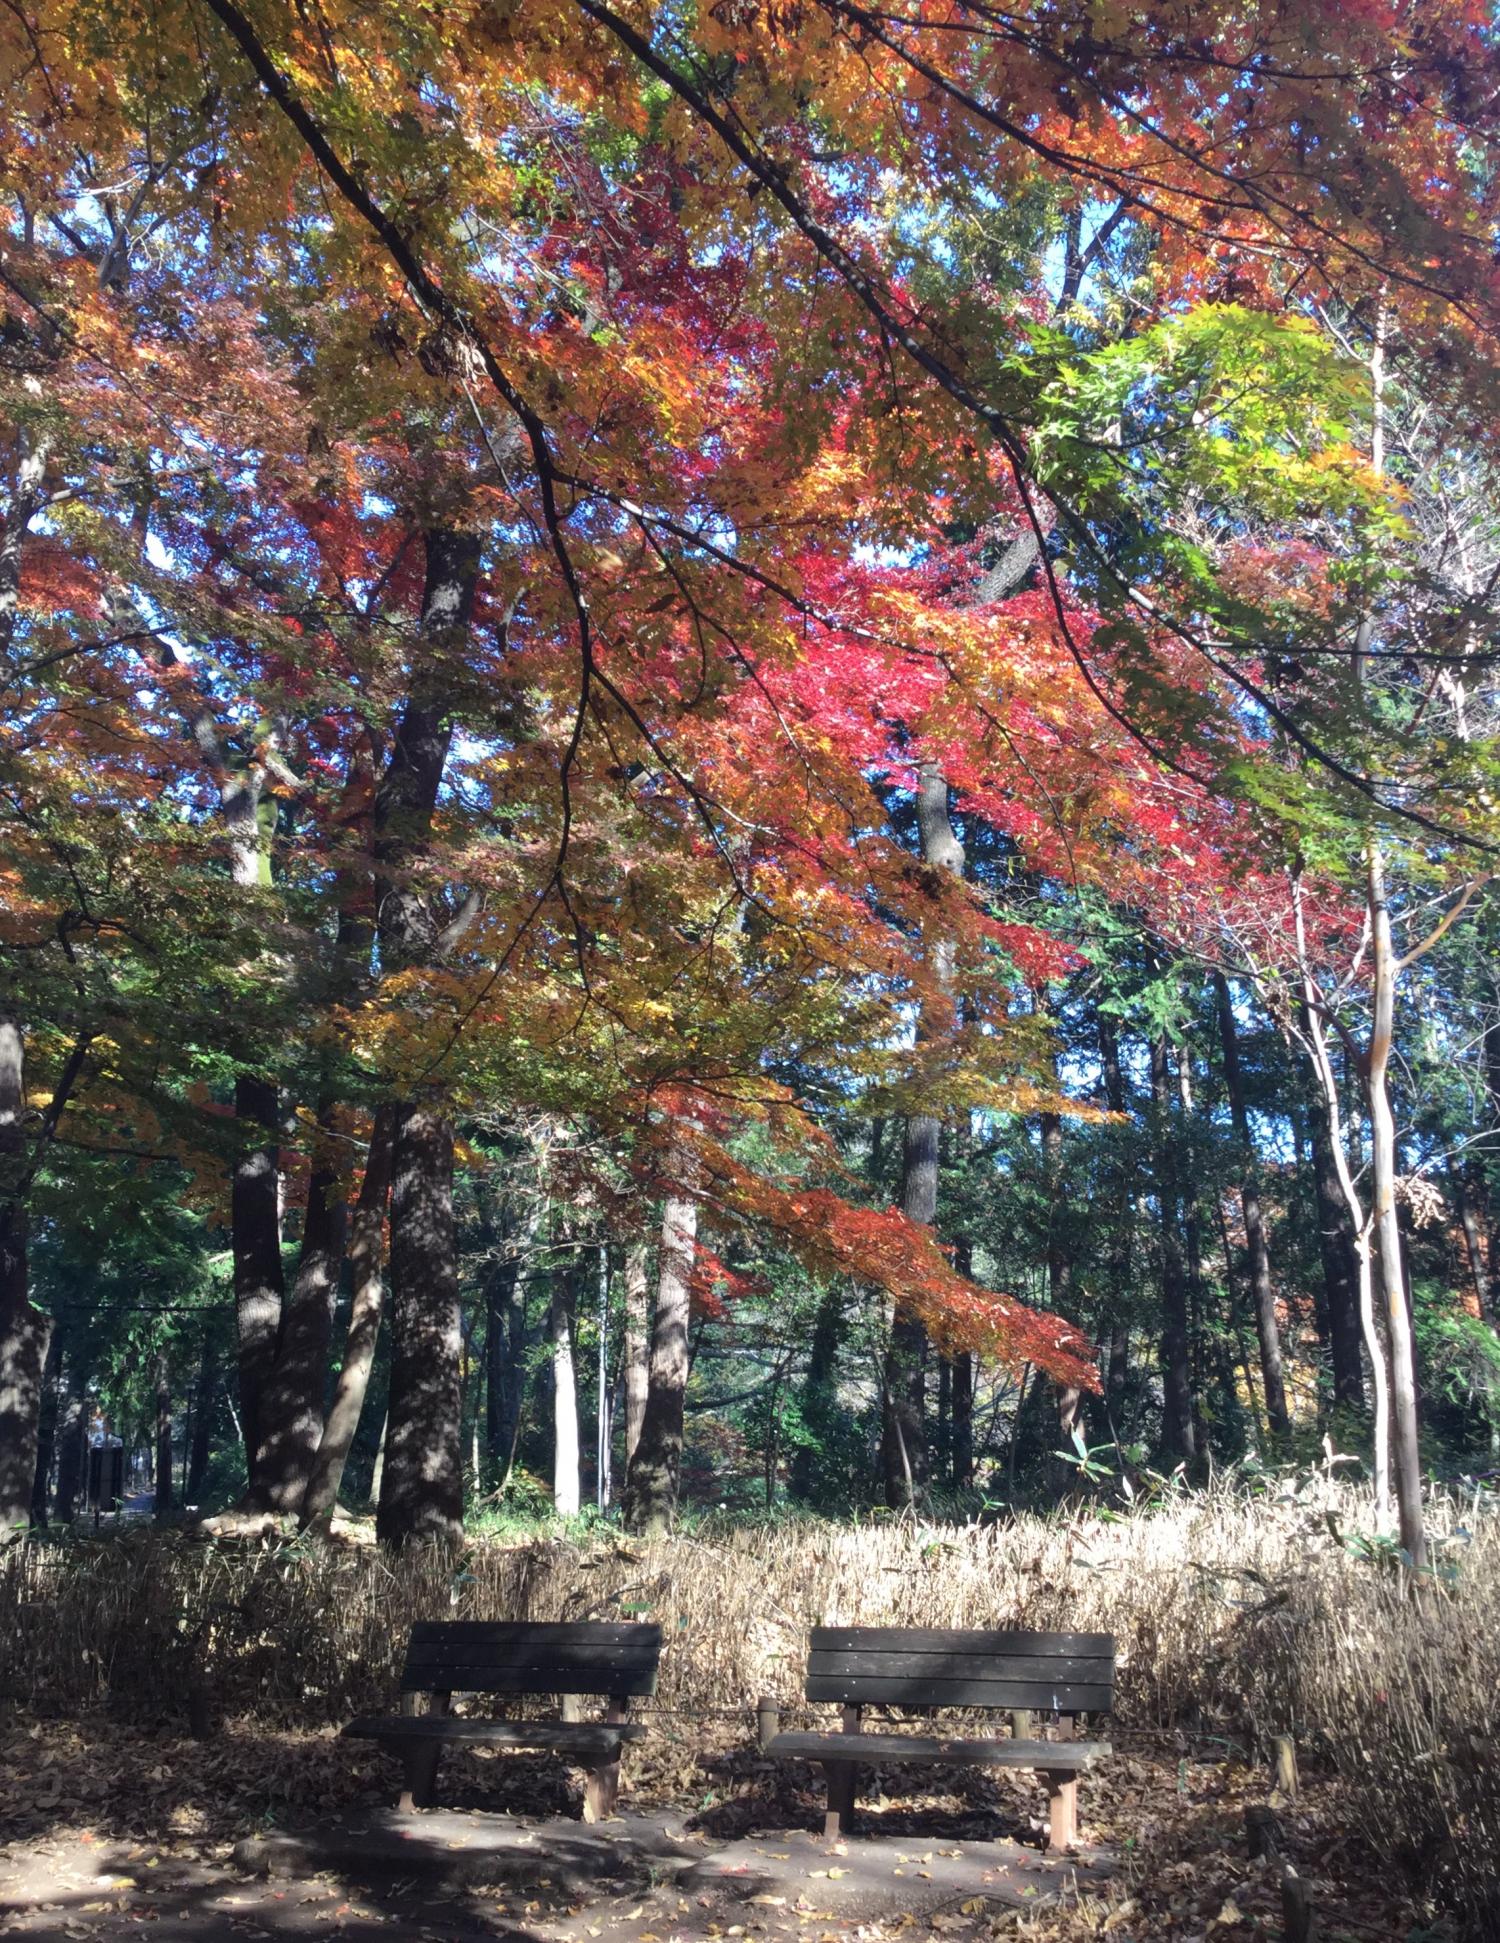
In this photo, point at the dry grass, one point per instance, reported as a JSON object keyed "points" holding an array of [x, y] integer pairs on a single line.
{"points": [[1238, 1616]]}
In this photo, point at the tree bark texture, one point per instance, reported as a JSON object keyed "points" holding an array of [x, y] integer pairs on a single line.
{"points": [[1178, 1432], [1406, 1459], [654, 1477], [566, 1485], [1119, 1248], [366, 1266], [255, 1233], [205, 1396], [1468, 1185], [421, 1494], [291, 1405], [46, 1431], [637, 1343], [1257, 1250], [24, 1331], [162, 1464], [904, 1430], [1336, 1246], [72, 1429]]}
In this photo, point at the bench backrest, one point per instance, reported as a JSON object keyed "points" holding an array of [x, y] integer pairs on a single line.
{"points": [[1065, 1673], [482, 1656]]}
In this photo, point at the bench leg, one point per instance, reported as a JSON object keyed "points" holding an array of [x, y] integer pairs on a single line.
{"points": [[601, 1790], [1062, 1810], [839, 1819], [419, 1760]]}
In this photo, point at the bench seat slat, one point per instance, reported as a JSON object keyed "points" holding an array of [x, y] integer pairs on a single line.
{"points": [[577, 1659], [964, 1666], [1056, 1756], [1048, 1696], [492, 1677], [564, 1737], [588, 1634], [905, 1639]]}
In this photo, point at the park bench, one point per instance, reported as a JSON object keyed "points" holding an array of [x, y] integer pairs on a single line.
{"points": [[470, 1656], [1021, 1674]]}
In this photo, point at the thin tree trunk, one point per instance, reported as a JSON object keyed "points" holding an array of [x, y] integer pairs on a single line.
{"points": [[200, 1447], [421, 1495], [162, 1468], [1178, 1435], [1406, 1458], [1192, 1242], [653, 1479], [377, 1469], [255, 1223], [366, 1264], [1119, 1246], [70, 1444], [904, 1439], [1263, 1294], [1059, 1289], [567, 1494], [24, 1331], [46, 1440], [604, 1401], [637, 1344], [1463, 1185], [1317, 1047], [1336, 1245]]}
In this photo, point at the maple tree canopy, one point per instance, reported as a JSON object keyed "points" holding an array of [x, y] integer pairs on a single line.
{"points": [[616, 417]]}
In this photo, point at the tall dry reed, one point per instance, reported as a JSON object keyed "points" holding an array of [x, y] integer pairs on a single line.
{"points": [[1238, 1616]]}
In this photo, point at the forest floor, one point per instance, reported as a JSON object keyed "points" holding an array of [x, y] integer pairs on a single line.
{"points": [[107, 1828]]}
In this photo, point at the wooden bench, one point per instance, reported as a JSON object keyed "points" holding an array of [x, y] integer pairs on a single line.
{"points": [[1020, 1673], [467, 1656]]}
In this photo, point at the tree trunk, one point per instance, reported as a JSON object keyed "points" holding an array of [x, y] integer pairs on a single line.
{"points": [[291, 1406], [1068, 1397], [24, 1331], [1317, 1047], [1336, 1246], [255, 1222], [637, 1345], [1118, 1249], [205, 1395], [46, 1437], [377, 1469], [421, 1495], [1464, 1184], [652, 1481], [567, 1493], [366, 1265], [70, 1444], [904, 1439], [1406, 1459], [604, 1398], [1178, 1431], [162, 1468], [904, 1432], [499, 1296], [1263, 1294]]}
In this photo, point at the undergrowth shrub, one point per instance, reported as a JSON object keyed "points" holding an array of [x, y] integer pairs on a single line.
{"points": [[1240, 1613]]}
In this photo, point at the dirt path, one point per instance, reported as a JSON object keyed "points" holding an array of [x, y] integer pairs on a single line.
{"points": [[106, 1830]]}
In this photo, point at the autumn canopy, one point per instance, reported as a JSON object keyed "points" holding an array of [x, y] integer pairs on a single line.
{"points": [[649, 584]]}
